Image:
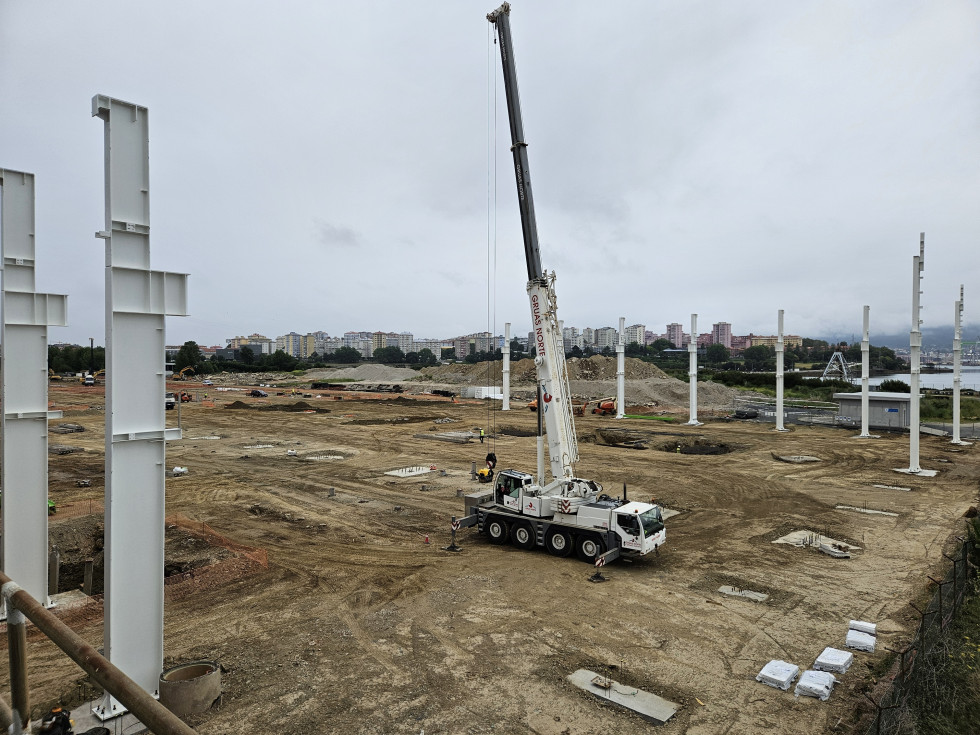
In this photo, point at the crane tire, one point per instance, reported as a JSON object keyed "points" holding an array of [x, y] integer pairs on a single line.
{"points": [[588, 547], [496, 529], [558, 542], [522, 536]]}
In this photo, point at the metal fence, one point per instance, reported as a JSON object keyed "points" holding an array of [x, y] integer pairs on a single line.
{"points": [[892, 716], [795, 411]]}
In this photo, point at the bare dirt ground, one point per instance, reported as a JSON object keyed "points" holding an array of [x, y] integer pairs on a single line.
{"points": [[358, 626]]}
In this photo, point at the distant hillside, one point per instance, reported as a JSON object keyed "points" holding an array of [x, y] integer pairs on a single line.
{"points": [[932, 337]]}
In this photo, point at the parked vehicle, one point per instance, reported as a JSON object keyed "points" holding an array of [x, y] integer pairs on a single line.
{"points": [[170, 401], [258, 393]]}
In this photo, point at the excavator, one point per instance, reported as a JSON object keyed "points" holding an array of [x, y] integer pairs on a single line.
{"points": [[568, 513], [183, 371]]}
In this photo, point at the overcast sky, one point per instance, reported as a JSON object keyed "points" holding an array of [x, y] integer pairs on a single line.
{"points": [[327, 165]]}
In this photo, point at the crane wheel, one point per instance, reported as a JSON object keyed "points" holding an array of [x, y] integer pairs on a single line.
{"points": [[497, 530], [559, 542], [522, 536], [587, 548]]}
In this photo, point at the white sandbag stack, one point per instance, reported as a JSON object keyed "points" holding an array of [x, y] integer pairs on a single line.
{"points": [[835, 660], [778, 674], [817, 684], [861, 636]]}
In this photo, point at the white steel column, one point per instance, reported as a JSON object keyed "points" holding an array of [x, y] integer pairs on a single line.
{"points": [[692, 373], [779, 375], [137, 299], [865, 374], [915, 348], [621, 370], [505, 351], [24, 426], [957, 364]]}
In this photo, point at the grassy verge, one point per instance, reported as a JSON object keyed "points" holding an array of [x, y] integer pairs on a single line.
{"points": [[947, 698]]}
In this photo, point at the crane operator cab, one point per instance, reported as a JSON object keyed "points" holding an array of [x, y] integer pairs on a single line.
{"points": [[640, 527], [507, 491]]}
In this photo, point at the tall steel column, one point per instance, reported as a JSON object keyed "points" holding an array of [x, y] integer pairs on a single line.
{"points": [[621, 370], [915, 350], [24, 426], [779, 375], [137, 299], [505, 351], [865, 375], [692, 372], [957, 365]]}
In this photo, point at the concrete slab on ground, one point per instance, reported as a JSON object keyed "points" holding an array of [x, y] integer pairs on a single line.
{"points": [[647, 705]]}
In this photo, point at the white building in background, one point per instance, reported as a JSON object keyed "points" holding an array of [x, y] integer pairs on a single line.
{"points": [[290, 343], [606, 337], [675, 334], [405, 341], [636, 333], [588, 337], [721, 334], [327, 345], [433, 345]]}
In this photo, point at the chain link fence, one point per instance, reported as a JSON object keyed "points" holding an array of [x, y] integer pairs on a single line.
{"points": [[892, 716]]}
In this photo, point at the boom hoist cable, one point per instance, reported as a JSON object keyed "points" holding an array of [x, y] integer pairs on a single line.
{"points": [[491, 240]]}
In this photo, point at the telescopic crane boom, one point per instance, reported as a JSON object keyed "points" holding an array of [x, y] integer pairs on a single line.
{"points": [[567, 514], [549, 352]]}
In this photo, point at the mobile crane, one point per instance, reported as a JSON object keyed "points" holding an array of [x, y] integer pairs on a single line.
{"points": [[568, 513]]}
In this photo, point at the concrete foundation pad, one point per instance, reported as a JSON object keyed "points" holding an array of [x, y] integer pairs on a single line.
{"points": [[893, 487], [795, 458], [869, 511], [649, 706], [668, 513], [747, 594], [812, 538], [919, 473], [409, 471]]}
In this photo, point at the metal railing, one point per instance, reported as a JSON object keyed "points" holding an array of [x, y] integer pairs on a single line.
{"points": [[22, 607]]}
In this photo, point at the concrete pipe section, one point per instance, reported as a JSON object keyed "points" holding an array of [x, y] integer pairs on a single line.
{"points": [[191, 687]]}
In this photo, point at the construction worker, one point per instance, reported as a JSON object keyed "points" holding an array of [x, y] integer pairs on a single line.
{"points": [[481, 436]]}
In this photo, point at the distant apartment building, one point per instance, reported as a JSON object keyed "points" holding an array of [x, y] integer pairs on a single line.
{"points": [[289, 343], [588, 337], [721, 334], [471, 344], [705, 339], [252, 341], [433, 345], [379, 340], [675, 334], [739, 343], [636, 333], [307, 346], [769, 340], [606, 337], [326, 345], [405, 341]]}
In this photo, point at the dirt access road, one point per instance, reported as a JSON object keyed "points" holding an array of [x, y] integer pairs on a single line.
{"points": [[358, 626]]}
